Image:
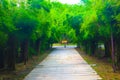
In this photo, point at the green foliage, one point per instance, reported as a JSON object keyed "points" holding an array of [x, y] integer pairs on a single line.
{"points": [[49, 22], [3, 38], [25, 24]]}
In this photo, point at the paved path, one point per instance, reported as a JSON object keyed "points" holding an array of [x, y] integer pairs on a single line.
{"points": [[63, 64]]}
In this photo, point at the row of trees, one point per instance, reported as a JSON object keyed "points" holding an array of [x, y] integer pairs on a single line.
{"points": [[28, 27], [24, 30], [95, 22], [98, 22]]}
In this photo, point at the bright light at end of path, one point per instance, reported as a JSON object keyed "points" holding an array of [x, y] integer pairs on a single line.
{"points": [[69, 1], [18, 5]]}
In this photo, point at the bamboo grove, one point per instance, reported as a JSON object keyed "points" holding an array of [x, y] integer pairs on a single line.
{"points": [[30, 27]]}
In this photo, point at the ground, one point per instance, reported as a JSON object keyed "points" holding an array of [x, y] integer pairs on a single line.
{"points": [[63, 64], [102, 66], [21, 69]]}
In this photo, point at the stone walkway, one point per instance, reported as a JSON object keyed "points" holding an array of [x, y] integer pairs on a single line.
{"points": [[63, 64]]}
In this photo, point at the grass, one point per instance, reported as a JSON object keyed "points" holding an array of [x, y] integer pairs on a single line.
{"points": [[21, 69], [101, 66]]}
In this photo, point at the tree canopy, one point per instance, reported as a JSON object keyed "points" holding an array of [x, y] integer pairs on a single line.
{"points": [[27, 25]]}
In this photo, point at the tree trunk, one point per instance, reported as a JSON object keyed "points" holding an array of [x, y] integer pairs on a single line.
{"points": [[78, 44], [24, 51], [117, 51], [93, 47], [113, 53], [107, 45], [51, 45], [38, 43], [1, 58], [11, 53]]}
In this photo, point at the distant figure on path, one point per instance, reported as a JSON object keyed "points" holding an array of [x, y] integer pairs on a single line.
{"points": [[64, 42]]}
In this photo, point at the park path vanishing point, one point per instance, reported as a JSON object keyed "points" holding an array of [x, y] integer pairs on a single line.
{"points": [[63, 64]]}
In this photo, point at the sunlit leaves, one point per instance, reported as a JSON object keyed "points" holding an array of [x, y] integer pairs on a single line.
{"points": [[40, 17]]}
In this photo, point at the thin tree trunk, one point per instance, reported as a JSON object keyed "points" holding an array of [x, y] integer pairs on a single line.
{"points": [[118, 53], [1, 58], [78, 44], [113, 52], [107, 48], [51, 45], [93, 47], [24, 51], [38, 43], [11, 53]]}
